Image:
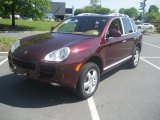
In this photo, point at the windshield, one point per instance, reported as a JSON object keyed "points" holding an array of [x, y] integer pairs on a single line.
{"points": [[82, 25]]}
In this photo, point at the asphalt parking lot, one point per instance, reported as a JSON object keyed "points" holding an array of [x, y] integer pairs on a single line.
{"points": [[123, 94]]}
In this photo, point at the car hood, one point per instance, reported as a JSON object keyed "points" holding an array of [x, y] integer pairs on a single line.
{"points": [[37, 46]]}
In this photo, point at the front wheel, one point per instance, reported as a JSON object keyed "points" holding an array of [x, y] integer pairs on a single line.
{"points": [[88, 80], [133, 62]]}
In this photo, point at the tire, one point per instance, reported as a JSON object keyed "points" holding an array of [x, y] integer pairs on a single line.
{"points": [[88, 80], [133, 62], [139, 27]]}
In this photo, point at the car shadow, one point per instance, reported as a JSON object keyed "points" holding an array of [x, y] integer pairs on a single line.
{"points": [[17, 91], [114, 71], [5, 27]]}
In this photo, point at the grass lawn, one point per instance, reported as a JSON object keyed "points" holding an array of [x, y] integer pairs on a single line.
{"points": [[6, 43], [25, 25]]}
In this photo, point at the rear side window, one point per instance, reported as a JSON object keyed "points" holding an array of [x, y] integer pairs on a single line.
{"points": [[127, 25], [134, 25]]}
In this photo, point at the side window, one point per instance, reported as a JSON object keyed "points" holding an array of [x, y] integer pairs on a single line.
{"points": [[127, 25], [134, 25], [115, 24]]}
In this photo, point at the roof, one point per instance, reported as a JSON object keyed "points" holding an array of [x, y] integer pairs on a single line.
{"points": [[113, 15]]}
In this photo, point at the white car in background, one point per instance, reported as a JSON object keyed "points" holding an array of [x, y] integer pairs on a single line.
{"points": [[145, 26]]}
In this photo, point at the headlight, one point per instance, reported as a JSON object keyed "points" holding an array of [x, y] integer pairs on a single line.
{"points": [[15, 46], [58, 55]]}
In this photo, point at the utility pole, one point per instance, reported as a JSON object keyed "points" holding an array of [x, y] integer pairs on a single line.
{"points": [[100, 4], [142, 7]]}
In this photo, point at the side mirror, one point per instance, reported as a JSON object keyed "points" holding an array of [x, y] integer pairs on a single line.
{"points": [[52, 28], [115, 33]]}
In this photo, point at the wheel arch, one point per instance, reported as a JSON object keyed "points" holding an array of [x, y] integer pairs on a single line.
{"points": [[97, 60], [139, 45]]}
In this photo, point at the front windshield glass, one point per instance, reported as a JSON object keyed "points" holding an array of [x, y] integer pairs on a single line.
{"points": [[82, 25]]}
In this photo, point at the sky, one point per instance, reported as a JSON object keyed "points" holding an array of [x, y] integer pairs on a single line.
{"points": [[111, 4]]}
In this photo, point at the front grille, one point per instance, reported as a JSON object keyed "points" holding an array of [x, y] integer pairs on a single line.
{"points": [[23, 64]]}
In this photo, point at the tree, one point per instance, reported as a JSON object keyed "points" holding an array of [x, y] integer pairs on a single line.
{"points": [[153, 8], [153, 14], [32, 8], [122, 11], [89, 9], [131, 12]]}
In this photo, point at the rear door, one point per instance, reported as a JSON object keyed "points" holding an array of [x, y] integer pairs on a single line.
{"points": [[128, 36]]}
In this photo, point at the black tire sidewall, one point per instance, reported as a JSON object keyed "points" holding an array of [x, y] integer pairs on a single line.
{"points": [[80, 84], [132, 59]]}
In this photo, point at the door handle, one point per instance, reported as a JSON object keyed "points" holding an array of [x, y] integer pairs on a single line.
{"points": [[124, 41]]}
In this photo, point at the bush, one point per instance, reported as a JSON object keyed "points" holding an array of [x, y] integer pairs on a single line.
{"points": [[6, 42], [158, 29]]}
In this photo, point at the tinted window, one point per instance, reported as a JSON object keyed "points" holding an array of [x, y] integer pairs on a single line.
{"points": [[82, 25], [134, 25], [127, 25]]}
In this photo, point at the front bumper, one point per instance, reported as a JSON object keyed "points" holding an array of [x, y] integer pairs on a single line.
{"points": [[50, 72]]}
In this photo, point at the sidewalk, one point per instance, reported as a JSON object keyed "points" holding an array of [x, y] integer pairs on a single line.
{"points": [[20, 35]]}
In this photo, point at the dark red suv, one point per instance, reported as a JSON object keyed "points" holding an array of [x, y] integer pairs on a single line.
{"points": [[78, 51]]}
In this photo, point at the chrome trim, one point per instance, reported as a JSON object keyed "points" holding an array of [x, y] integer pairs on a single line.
{"points": [[117, 62]]}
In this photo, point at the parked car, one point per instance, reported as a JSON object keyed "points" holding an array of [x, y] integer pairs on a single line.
{"points": [[145, 26], [47, 19], [78, 52], [27, 18]]}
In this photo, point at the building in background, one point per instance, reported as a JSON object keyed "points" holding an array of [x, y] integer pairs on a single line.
{"points": [[58, 11]]}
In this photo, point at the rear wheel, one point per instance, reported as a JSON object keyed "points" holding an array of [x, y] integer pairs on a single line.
{"points": [[88, 80], [133, 63]]}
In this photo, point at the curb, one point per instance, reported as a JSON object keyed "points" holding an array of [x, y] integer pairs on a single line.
{"points": [[24, 31], [3, 53]]}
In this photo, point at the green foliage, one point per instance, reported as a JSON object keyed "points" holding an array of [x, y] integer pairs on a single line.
{"points": [[90, 9], [153, 8], [158, 29], [6, 42], [29, 8], [153, 14], [131, 12], [153, 17], [25, 25]]}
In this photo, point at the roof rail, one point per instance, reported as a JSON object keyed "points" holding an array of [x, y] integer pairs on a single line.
{"points": [[118, 14], [86, 14]]}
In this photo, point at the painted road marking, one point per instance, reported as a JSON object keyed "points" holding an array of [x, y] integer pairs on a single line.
{"points": [[151, 45], [150, 57], [93, 109], [150, 63], [3, 52], [3, 61]]}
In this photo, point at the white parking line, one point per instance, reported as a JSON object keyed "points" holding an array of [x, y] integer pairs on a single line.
{"points": [[151, 57], [3, 61], [93, 109], [3, 52], [151, 45], [150, 63]]}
